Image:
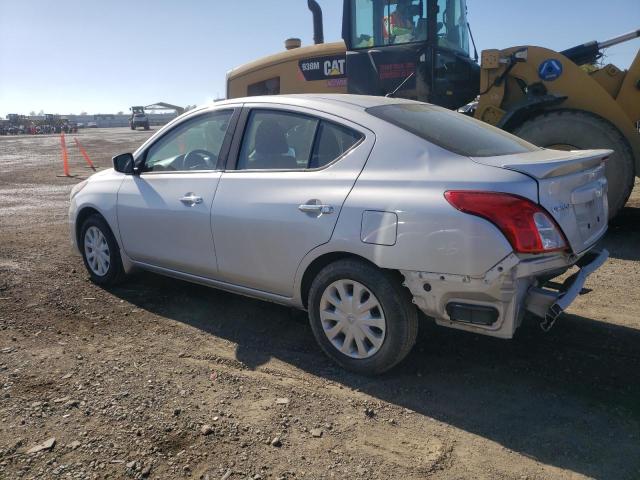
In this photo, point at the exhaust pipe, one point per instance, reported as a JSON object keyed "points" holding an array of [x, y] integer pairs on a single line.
{"points": [[318, 31]]}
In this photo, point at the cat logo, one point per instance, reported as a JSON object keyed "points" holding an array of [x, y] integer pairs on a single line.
{"points": [[323, 68], [334, 67]]}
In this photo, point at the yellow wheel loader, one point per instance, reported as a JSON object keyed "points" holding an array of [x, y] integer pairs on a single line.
{"points": [[420, 49], [562, 101]]}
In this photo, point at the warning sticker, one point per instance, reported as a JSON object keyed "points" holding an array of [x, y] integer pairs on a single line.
{"points": [[396, 70], [337, 82]]}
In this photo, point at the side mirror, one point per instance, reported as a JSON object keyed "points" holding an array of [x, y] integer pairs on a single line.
{"points": [[123, 163]]}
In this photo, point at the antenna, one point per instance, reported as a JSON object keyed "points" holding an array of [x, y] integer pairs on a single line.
{"points": [[475, 50], [391, 94]]}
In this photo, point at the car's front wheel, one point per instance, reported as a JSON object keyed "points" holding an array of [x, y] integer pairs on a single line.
{"points": [[361, 316], [100, 251]]}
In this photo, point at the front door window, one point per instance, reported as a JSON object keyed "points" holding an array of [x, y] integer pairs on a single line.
{"points": [[192, 146]]}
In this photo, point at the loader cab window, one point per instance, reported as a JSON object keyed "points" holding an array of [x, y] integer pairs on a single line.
{"points": [[378, 23], [266, 87], [452, 27]]}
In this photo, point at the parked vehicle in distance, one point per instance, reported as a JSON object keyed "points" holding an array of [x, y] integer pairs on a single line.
{"points": [[92, 125], [138, 118], [358, 209]]}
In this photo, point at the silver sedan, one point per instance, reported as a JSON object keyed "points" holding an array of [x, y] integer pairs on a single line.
{"points": [[361, 210]]}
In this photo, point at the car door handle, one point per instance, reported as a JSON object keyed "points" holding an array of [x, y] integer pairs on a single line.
{"points": [[191, 199], [315, 208]]}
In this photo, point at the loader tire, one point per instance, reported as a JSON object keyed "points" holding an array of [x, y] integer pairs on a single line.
{"points": [[575, 129]]}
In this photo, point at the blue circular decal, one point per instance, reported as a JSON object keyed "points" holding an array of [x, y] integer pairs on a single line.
{"points": [[550, 70]]}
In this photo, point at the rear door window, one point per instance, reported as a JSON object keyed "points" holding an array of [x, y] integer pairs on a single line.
{"points": [[279, 140], [453, 131]]}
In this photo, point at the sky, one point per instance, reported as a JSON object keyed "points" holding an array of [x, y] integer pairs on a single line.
{"points": [[104, 56]]}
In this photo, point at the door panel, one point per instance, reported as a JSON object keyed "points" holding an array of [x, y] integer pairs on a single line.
{"points": [[262, 233], [164, 214], [159, 228]]}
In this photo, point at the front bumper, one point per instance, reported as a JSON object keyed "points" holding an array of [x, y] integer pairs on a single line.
{"points": [[73, 211], [496, 303]]}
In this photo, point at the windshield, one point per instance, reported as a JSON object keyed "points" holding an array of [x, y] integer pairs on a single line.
{"points": [[376, 23], [452, 131]]}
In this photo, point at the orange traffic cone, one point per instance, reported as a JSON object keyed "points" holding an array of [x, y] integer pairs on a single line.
{"points": [[65, 157], [85, 155]]}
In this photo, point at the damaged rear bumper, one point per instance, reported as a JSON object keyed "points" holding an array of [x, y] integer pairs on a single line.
{"points": [[549, 304], [495, 303]]}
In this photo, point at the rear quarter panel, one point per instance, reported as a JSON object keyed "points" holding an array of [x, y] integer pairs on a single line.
{"points": [[408, 176]]}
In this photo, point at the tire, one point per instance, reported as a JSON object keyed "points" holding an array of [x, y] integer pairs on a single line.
{"points": [[399, 316], [584, 130], [113, 271]]}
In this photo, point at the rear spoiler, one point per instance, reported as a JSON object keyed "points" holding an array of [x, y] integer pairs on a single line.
{"points": [[562, 163]]}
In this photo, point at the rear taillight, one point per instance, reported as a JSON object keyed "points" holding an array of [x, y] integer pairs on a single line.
{"points": [[527, 226]]}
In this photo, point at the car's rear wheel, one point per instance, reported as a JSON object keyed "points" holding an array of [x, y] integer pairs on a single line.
{"points": [[361, 316], [100, 251]]}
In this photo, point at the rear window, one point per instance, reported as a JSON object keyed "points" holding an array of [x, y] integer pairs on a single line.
{"points": [[450, 130]]}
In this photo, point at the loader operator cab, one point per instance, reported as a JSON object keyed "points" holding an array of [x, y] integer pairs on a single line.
{"points": [[425, 42]]}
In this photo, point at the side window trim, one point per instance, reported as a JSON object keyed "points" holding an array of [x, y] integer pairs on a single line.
{"points": [[224, 150], [316, 138], [226, 144], [243, 121], [236, 142]]}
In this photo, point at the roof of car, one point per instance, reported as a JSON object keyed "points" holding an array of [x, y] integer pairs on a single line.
{"points": [[317, 99]]}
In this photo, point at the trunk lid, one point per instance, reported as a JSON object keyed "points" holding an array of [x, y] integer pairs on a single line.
{"points": [[572, 187]]}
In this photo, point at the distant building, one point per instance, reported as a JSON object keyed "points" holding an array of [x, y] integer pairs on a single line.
{"points": [[105, 120]]}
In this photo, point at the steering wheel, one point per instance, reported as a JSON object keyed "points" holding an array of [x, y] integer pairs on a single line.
{"points": [[199, 159]]}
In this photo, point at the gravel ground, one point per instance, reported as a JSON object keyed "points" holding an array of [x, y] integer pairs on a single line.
{"points": [[163, 379]]}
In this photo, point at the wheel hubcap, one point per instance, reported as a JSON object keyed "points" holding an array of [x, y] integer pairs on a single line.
{"points": [[96, 251], [352, 319]]}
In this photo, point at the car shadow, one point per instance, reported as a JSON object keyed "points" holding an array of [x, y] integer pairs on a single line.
{"points": [[623, 237], [570, 398]]}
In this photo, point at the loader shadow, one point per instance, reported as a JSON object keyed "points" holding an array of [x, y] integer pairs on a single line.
{"points": [[570, 399], [623, 238]]}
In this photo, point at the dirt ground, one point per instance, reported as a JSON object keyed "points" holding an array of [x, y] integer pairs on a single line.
{"points": [[163, 379]]}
